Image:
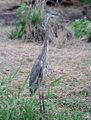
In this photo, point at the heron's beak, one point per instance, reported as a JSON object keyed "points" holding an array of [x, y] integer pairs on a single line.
{"points": [[54, 14]]}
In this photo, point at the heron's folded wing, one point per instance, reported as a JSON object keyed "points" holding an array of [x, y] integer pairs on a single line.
{"points": [[35, 74]]}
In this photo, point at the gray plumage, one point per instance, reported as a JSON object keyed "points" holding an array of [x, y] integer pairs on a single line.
{"points": [[35, 75], [40, 67]]}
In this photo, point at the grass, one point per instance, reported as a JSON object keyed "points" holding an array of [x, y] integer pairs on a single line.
{"points": [[14, 106], [74, 104]]}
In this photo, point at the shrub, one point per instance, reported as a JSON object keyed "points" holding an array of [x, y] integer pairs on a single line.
{"points": [[86, 1], [82, 27], [26, 14]]}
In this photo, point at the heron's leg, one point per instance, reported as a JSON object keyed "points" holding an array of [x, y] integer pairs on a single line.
{"points": [[42, 105], [41, 96]]}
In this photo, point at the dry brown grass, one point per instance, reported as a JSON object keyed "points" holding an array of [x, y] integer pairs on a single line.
{"points": [[73, 60], [59, 32]]}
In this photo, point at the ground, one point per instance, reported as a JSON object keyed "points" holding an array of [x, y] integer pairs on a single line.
{"points": [[73, 61]]}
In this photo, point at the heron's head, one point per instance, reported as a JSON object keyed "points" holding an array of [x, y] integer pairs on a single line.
{"points": [[51, 14]]}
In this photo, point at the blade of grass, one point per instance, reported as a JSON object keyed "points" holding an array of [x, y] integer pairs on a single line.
{"points": [[57, 80], [24, 83], [13, 75]]}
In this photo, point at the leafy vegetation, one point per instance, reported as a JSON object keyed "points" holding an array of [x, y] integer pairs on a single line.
{"points": [[82, 27], [14, 106], [26, 14], [86, 1]]}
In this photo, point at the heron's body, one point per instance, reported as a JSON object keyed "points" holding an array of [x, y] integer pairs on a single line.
{"points": [[35, 75], [40, 68]]}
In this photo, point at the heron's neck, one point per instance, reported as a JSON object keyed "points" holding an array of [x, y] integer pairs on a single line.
{"points": [[46, 40], [44, 51]]}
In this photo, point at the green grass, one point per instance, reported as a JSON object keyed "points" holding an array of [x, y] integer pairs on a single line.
{"points": [[14, 106], [74, 104]]}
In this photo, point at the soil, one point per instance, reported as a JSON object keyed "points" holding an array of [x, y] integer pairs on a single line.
{"points": [[72, 60]]}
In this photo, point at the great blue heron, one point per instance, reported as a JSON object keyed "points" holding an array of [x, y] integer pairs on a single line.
{"points": [[40, 67]]}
